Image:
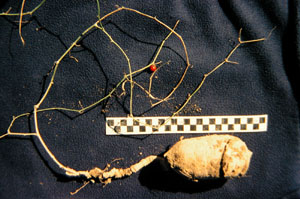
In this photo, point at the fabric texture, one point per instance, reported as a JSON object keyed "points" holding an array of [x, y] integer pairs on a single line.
{"points": [[264, 82]]}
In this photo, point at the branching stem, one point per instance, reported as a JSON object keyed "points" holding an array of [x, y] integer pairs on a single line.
{"points": [[7, 13], [127, 78]]}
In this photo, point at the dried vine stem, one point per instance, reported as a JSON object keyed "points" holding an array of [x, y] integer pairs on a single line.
{"points": [[127, 77], [151, 77], [54, 69], [7, 13], [226, 60], [173, 32], [20, 22], [21, 14], [96, 172], [206, 75]]}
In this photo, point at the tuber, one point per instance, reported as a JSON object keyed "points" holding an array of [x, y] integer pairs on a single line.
{"points": [[212, 156], [209, 157]]}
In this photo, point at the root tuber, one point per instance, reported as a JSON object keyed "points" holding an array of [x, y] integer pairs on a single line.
{"points": [[213, 156], [210, 157]]}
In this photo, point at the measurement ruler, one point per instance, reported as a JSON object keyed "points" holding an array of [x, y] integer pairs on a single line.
{"points": [[186, 124]]}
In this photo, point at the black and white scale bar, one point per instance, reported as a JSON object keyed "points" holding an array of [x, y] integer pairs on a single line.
{"points": [[186, 124]]}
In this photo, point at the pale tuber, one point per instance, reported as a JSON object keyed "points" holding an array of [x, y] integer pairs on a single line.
{"points": [[209, 157], [196, 158]]}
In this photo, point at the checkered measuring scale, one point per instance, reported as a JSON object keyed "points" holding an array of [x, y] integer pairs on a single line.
{"points": [[186, 124]]}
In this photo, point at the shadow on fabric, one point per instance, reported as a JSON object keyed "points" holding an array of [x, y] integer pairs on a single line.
{"points": [[157, 176]]}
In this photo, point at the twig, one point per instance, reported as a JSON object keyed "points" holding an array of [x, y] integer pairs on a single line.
{"points": [[20, 22], [171, 30], [70, 171], [151, 79], [226, 60], [7, 13], [77, 190], [21, 14], [129, 66]]}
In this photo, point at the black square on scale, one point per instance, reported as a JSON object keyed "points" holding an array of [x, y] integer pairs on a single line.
{"points": [[193, 128]]}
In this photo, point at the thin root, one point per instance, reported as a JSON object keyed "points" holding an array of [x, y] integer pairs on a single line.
{"points": [[77, 190]]}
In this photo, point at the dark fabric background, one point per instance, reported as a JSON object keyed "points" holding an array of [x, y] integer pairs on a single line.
{"points": [[264, 82]]}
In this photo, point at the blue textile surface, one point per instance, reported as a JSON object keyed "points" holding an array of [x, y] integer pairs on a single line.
{"points": [[264, 82]]}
